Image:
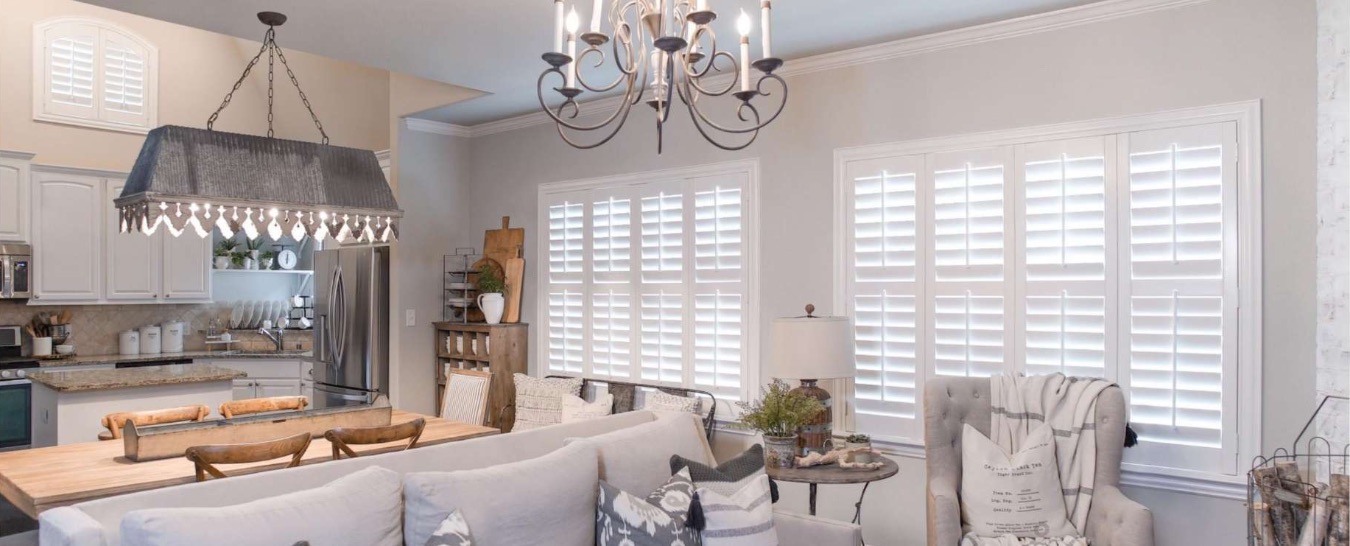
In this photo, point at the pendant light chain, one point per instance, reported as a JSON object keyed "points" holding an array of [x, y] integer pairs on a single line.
{"points": [[273, 53]]}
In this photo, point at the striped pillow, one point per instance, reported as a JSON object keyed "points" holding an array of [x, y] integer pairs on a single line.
{"points": [[742, 519], [730, 476]]}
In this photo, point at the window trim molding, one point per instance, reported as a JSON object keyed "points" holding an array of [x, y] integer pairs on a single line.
{"points": [[1247, 116], [40, 71], [750, 212]]}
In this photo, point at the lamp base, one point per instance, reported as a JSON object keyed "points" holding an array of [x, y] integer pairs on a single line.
{"points": [[816, 435]]}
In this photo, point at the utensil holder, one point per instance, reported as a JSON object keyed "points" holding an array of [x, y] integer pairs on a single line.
{"points": [[42, 346]]}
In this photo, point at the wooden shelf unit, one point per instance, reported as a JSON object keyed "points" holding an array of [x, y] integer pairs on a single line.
{"points": [[501, 349]]}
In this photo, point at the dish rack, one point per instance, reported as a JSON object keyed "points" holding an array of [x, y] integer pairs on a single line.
{"points": [[1299, 495], [458, 296]]}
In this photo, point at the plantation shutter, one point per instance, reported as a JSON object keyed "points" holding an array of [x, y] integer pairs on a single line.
{"points": [[566, 221], [71, 69], [94, 74], [1065, 319], [124, 81], [611, 336], [970, 290], [883, 291], [1180, 294], [720, 282]]}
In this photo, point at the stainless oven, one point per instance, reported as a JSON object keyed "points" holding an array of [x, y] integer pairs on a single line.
{"points": [[16, 392], [16, 271]]}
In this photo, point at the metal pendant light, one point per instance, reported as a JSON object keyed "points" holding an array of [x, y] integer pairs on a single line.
{"points": [[200, 179]]}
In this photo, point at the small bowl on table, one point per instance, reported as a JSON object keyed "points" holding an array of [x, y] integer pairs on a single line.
{"points": [[65, 349]]}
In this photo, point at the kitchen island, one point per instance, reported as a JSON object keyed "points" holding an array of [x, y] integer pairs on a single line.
{"points": [[68, 406]]}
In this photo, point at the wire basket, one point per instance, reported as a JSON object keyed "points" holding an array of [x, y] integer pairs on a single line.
{"points": [[1298, 496]]}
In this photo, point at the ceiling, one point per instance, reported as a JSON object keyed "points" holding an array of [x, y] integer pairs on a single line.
{"points": [[494, 45]]}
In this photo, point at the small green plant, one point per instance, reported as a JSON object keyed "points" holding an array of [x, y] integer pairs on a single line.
{"points": [[779, 412], [237, 258], [268, 255], [254, 244], [858, 439], [489, 282], [225, 248]]}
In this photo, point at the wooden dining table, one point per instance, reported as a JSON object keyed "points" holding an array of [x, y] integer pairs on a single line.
{"points": [[35, 480]]}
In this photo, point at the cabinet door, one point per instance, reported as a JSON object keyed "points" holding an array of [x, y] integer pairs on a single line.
{"points": [[268, 388], [244, 389], [307, 391], [132, 258], [14, 205], [68, 211], [187, 267]]}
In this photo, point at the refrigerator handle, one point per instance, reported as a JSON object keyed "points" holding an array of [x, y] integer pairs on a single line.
{"points": [[337, 306], [320, 339]]}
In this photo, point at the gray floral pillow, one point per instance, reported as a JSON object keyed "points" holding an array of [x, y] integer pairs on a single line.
{"points": [[661, 519], [454, 531]]}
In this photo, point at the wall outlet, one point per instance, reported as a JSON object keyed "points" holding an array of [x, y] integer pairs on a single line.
{"points": [[410, 317]]}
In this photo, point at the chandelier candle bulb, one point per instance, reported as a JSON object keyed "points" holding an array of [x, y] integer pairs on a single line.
{"points": [[765, 34], [743, 25], [595, 15], [558, 25], [572, 24]]}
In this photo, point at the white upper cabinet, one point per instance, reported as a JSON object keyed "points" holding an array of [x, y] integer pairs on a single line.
{"points": [[186, 270], [68, 212], [132, 274], [14, 196]]}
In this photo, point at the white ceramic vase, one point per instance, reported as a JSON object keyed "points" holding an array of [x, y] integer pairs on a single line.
{"points": [[222, 262], [492, 306]]}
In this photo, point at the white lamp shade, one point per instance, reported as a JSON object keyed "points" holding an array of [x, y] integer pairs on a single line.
{"points": [[811, 348]]}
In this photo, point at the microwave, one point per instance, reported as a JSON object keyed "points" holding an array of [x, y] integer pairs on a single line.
{"points": [[16, 271]]}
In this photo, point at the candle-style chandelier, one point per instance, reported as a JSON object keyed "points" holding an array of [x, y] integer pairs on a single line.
{"points": [[667, 47]]}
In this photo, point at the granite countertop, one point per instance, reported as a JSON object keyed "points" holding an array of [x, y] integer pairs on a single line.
{"points": [[126, 378], [83, 360]]}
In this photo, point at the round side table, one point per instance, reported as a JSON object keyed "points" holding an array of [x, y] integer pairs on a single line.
{"points": [[831, 474]]}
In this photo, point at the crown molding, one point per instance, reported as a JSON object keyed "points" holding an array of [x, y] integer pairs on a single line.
{"points": [[1105, 10], [437, 127]]}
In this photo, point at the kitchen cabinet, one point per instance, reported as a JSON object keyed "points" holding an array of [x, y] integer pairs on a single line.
{"points": [[132, 257], [14, 200], [268, 378], [186, 270], [67, 234]]}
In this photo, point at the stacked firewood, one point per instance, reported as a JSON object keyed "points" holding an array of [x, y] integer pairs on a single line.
{"points": [[1294, 512]]}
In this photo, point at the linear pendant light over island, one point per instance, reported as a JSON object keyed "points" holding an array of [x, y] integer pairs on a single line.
{"points": [[203, 179]]}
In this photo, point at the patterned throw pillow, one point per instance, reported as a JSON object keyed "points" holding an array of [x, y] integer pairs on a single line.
{"points": [[539, 400], [575, 408], [659, 520], [741, 519], [730, 476], [660, 401], [454, 531]]}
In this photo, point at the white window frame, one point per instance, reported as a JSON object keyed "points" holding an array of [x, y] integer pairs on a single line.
{"points": [[99, 117], [750, 368], [1247, 117]]}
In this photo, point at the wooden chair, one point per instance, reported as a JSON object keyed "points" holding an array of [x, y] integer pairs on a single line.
{"points": [[466, 396], [115, 422], [206, 457], [262, 405], [343, 438]]}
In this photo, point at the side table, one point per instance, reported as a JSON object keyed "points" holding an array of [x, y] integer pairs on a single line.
{"points": [[831, 474]]}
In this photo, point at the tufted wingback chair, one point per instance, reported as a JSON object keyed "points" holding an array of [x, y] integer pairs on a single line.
{"points": [[950, 402]]}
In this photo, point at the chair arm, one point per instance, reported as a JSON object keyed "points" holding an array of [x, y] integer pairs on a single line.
{"points": [[1115, 520], [802, 530], [67, 526], [944, 512]]}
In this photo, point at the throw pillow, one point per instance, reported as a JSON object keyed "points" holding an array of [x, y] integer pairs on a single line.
{"points": [[454, 531], [539, 400], [575, 408], [661, 519], [660, 401], [365, 507], [730, 476], [1016, 494], [744, 518]]}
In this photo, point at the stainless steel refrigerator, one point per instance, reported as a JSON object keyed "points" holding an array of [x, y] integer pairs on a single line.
{"points": [[351, 325]]}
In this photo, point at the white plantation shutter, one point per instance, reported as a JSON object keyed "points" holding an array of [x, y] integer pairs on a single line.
{"points": [[719, 283], [1180, 295], [92, 73], [1064, 229], [663, 237], [612, 334], [611, 240], [662, 324], [565, 222], [968, 336], [565, 323], [883, 290]]}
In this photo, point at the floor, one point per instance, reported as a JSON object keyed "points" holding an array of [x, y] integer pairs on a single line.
{"points": [[12, 521]]}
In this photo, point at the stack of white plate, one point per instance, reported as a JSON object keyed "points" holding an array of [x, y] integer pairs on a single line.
{"points": [[247, 315]]}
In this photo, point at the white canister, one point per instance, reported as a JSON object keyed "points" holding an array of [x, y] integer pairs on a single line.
{"points": [[42, 346], [129, 343], [172, 340], [150, 341]]}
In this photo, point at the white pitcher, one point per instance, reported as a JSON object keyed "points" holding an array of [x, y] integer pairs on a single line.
{"points": [[492, 305]]}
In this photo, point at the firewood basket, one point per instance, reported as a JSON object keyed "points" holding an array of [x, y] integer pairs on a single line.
{"points": [[1298, 496]]}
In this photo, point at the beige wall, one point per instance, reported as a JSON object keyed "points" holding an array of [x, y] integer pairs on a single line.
{"points": [[196, 69], [1203, 54]]}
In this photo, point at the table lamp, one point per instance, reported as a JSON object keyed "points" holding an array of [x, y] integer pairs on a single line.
{"points": [[811, 348]]}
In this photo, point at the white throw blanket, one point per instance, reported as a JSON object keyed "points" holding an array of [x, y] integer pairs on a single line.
{"points": [[1069, 404]]}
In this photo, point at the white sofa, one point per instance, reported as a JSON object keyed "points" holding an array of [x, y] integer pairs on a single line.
{"points": [[633, 452]]}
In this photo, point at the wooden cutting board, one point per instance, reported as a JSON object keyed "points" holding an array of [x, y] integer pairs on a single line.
{"points": [[515, 283], [505, 243]]}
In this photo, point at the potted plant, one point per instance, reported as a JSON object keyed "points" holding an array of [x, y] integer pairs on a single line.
{"points": [[267, 258], [238, 258], [491, 286], [254, 248], [778, 415], [855, 441], [224, 252]]}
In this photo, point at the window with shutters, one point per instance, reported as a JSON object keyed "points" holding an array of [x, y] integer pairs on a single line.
{"points": [[92, 73], [1124, 249], [648, 278]]}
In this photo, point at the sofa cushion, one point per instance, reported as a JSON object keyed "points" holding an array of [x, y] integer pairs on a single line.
{"points": [[660, 519], [548, 500], [660, 401], [730, 476], [638, 458], [363, 508], [1017, 494], [576, 408], [744, 518], [539, 400]]}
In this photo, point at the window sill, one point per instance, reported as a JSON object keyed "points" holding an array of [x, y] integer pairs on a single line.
{"points": [[91, 124]]}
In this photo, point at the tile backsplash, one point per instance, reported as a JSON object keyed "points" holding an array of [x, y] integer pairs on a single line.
{"points": [[95, 327]]}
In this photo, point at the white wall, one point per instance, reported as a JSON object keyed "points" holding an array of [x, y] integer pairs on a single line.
{"points": [[1209, 53]]}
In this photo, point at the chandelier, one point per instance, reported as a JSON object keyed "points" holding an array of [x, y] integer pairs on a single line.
{"points": [[199, 180], [667, 48]]}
